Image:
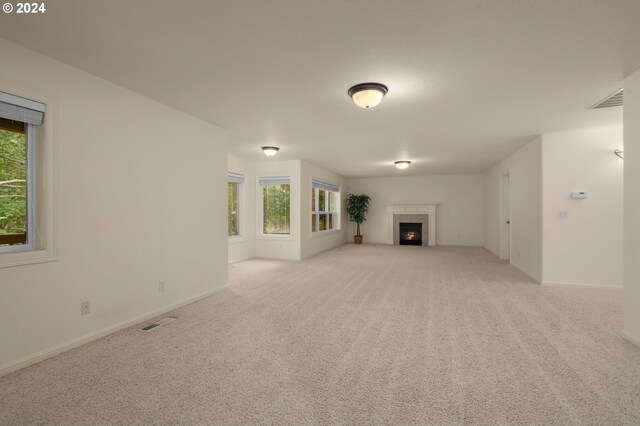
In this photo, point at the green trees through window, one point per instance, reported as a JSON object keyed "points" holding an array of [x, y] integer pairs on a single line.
{"points": [[233, 208], [324, 210], [13, 182], [276, 209]]}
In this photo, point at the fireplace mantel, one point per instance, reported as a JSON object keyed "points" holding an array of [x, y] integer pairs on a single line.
{"points": [[428, 209]]}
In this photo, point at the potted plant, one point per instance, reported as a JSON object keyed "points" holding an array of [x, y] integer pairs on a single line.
{"points": [[357, 207]]}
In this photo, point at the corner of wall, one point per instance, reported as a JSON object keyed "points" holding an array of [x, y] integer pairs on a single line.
{"points": [[243, 248], [632, 205], [524, 168]]}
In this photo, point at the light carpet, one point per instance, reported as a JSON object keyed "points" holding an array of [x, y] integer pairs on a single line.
{"points": [[359, 335]]}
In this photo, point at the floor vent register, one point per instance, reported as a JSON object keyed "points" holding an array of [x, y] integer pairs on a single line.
{"points": [[157, 324]]}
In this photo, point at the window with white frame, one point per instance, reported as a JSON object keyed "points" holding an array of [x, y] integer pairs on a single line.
{"points": [[19, 118], [234, 191], [275, 195], [325, 207]]}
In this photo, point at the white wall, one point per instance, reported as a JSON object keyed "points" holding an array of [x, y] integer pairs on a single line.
{"points": [[275, 246], [586, 246], [459, 214], [524, 168], [314, 244], [140, 199], [632, 208], [243, 247]]}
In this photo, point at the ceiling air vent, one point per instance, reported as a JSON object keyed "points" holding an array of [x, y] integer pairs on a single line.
{"points": [[613, 100]]}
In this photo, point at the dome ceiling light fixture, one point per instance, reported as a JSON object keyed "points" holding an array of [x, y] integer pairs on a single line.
{"points": [[270, 151], [368, 95], [402, 164]]}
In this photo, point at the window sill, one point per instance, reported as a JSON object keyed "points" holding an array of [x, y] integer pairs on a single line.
{"points": [[19, 258], [320, 234], [281, 237], [235, 239]]}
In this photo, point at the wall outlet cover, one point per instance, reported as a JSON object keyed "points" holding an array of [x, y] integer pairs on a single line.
{"points": [[580, 195]]}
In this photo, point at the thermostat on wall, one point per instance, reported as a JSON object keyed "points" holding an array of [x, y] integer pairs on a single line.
{"points": [[578, 195]]}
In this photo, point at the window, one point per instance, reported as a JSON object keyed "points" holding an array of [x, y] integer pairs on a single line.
{"points": [[18, 120], [276, 206], [325, 201], [234, 182]]}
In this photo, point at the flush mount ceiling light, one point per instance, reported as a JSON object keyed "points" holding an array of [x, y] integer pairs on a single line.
{"points": [[270, 151], [402, 164], [619, 153], [368, 95]]}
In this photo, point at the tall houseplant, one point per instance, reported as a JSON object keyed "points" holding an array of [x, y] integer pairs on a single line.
{"points": [[357, 208]]}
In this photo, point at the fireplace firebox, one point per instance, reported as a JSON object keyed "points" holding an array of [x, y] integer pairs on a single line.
{"points": [[410, 234]]}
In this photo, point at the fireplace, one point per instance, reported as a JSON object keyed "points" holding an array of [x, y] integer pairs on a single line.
{"points": [[410, 234], [424, 214]]}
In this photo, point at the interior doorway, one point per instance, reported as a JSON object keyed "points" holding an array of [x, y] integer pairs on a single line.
{"points": [[505, 218]]}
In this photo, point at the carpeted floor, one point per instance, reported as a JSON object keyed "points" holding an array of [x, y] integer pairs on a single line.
{"points": [[362, 334]]}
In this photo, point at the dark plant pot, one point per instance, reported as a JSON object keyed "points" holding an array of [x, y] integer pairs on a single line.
{"points": [[357, 239]]}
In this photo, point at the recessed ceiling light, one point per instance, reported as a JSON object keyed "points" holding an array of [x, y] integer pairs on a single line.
{"points": [[402, 164], [270, 151], [368, 95]]}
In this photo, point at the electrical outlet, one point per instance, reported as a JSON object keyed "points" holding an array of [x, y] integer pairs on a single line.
{"points": [[85, 308], [160, 285]]}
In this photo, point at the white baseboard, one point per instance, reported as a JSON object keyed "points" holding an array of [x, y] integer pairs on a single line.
{"points": [[492, 252], [563, 284], [535, 280], [276, 258], [630, 338], [82, 340], [242, 259], [263, 257]]}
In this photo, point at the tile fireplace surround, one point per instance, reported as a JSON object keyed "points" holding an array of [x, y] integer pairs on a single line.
{"points": [[412, 213]]}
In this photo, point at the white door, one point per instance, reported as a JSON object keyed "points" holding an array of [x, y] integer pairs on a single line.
{"points": [[505, 218]]}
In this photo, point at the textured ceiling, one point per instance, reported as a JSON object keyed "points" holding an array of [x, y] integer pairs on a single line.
{"points": [[469, 81]]}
